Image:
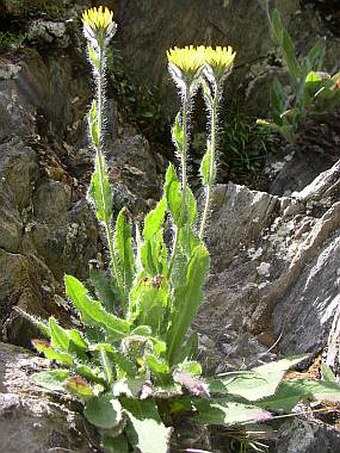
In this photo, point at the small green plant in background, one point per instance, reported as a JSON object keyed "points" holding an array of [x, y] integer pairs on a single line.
{"points": [[133, 360], [311, 91], [11, 40], [244, 148]]}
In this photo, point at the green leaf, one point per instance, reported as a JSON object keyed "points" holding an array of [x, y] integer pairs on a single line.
{"points": [[290, 58], [290, 392], [190, 367], [316, 55], [147, 432], [124, 251], [103, 288], [89, 374], [258, 383], [227, 413], [143, 331], [276, 26], [154, 255], [104, 411], [51, 380], [190, 348], [130, 387], [59, 336], [93, 125], [191, 213], [327, 373], [51, 354], [79, 387], [149, 301], [117, 444], [205, 166], [156, 365], [173, 194], [187, 300], [36, 321], [154, 220], [93, 57], [178, 136], [278, 101], [100, 191], [92, 312]]}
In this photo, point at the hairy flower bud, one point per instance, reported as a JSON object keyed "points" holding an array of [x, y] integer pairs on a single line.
{"points": [[98, 25]]}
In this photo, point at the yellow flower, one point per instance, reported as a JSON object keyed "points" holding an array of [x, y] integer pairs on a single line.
{"points": [[99, 18], [98, 24], [219, 60], [188, 59]]}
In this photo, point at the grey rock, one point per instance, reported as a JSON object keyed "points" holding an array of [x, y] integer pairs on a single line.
{"points": [[307, 436], [216, 22], [47, 32], [31, 419], [275, 270]]}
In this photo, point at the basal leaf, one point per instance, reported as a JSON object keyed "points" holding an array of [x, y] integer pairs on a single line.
{"points": [[104, 411], [227, 413], [147, 432], [59, 336], [187, 301], [130, 387], [51, 354], [291, 391], [79, 387], [93, 312], [258, 383], [103, 288], [115, 444], [156, 365], [52, 380]]}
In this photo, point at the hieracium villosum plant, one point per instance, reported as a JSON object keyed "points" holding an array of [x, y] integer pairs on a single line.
{"points": [[132, 361]]}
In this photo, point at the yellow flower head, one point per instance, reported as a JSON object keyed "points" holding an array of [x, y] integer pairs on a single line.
{"points": [[219, 60], [97, 18], [188, 59], [98, 24]]}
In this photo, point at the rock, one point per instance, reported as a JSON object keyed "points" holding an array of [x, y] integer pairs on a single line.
{"points": [[31, 419], [315, 151], [275, 264], [47, 226], [307, 436], [216, 22]]}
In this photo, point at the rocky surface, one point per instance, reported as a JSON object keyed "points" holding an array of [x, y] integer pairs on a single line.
{"points": [[146, 31], [276, 263], [47, 226], [33, 420]]}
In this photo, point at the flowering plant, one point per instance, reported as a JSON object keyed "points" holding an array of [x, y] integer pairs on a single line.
{"points": [[132, 361]]}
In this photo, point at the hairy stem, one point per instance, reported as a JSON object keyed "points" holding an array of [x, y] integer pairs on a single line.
{"points": [[212, 168], [184, 178], [102, 171]]}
